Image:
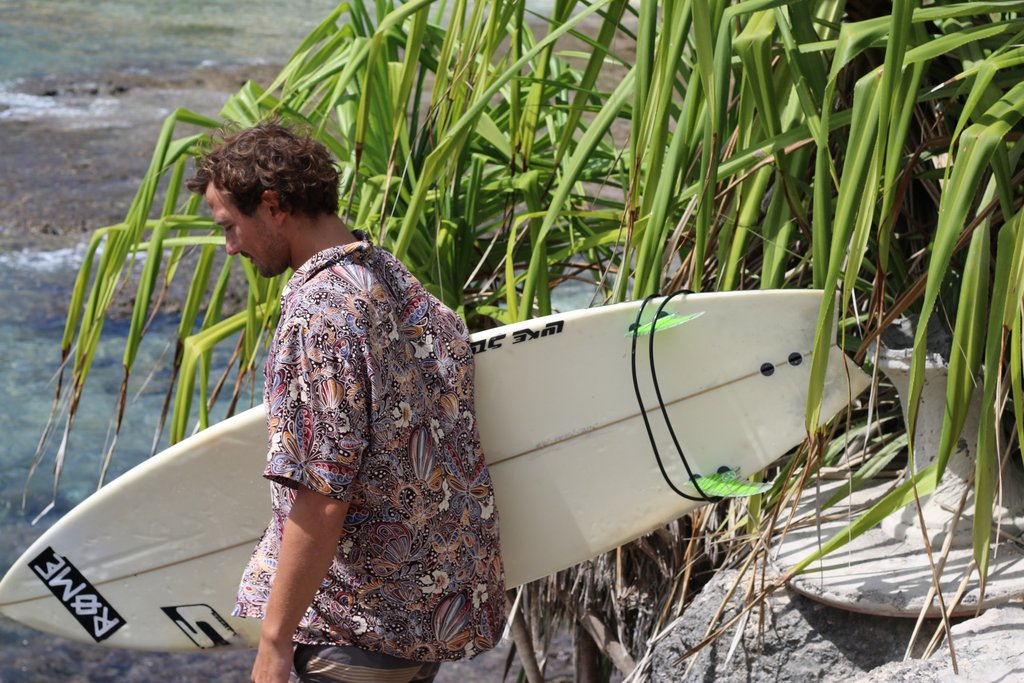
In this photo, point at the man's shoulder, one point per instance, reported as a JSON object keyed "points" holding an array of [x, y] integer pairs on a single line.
{"points": [[322, 301]]}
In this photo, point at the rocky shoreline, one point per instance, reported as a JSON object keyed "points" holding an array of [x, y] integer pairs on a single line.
{"points": [[75, 150]]}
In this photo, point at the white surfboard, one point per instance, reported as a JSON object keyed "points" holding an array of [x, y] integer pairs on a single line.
{"points": [[152, 561]]}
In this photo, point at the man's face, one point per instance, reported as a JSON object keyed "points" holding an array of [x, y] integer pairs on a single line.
{"points": [[257, 237]]}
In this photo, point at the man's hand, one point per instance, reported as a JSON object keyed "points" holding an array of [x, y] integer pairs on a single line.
{"points": [[311, 534], [273, 663]]}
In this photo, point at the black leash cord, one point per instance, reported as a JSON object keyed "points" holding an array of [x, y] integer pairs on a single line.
{"points": [[664, 408], [661, 403]]}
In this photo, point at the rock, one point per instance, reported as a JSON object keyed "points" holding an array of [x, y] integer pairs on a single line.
{"points": [[792, 638], [988, 648]]}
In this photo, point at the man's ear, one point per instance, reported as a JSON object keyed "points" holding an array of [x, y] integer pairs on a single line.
{"points": [[273, 203]]}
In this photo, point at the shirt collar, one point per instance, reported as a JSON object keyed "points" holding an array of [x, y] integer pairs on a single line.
{"points": [[359, 251]]}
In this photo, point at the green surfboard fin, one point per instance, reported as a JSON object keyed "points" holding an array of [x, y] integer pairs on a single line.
{"points": [[727, 483], [664, 322]]}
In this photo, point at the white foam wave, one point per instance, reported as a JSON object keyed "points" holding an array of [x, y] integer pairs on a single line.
{"points": [[19, 106], [44, 261], [217, 63], [56, 260]]}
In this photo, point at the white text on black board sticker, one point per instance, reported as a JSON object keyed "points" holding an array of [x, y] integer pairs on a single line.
{"points": [[76, 594]]}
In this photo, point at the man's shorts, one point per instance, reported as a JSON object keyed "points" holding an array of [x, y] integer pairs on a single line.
{"points": [[338, 664]]}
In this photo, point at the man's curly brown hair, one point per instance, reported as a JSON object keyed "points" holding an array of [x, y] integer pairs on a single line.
{"points": [[270, 156]]}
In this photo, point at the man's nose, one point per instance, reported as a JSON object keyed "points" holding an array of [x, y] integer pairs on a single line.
{"points": [[231, 244]]}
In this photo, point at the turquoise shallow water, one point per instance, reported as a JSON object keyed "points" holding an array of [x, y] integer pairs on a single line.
{"points": [[41, 37], [37, 282]]}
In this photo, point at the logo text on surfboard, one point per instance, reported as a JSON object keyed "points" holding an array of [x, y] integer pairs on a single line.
{"points": [[519, 336], [84, 602], [202, 625]]}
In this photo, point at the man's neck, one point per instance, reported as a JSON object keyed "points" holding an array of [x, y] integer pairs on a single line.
{"points": [[309, 236]]}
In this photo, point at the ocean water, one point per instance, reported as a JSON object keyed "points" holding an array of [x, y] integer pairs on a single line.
{"points": [[83, 39], [41, 37], [38, 282]]}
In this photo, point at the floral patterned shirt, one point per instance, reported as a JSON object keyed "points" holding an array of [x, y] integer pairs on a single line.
{"points": [[369, 396]]}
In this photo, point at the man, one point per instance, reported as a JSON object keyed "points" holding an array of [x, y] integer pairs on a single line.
{"points": [[382, 557]]}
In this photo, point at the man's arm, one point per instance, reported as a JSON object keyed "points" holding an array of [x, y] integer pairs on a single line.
{"points": [[311, 534]]}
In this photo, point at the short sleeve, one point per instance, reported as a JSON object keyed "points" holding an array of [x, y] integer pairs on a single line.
{"points": [[317, 402]]}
